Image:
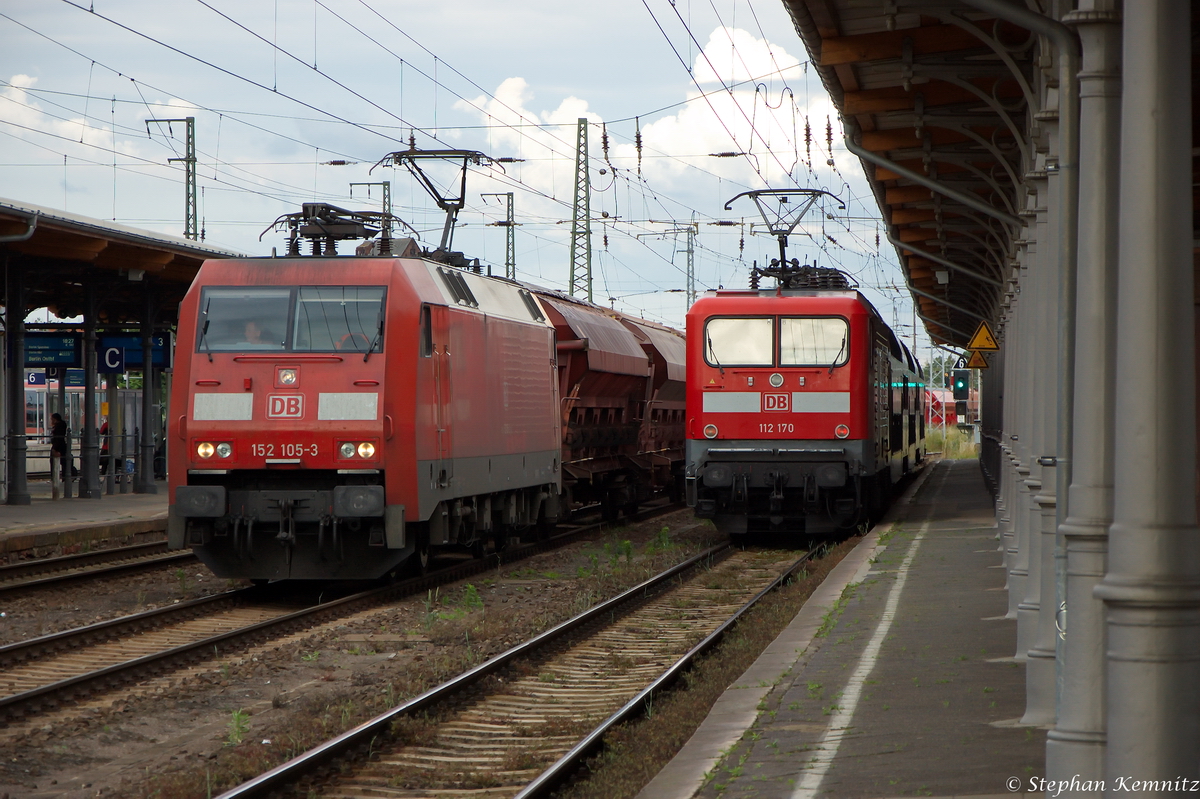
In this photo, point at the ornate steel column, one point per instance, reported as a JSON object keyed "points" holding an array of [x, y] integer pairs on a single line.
{"points": [[1076, 744], [1029, 556], [1018, 553], [89, 450], [145, 461], [14, 319], [1039, 669], [1152, 589]]}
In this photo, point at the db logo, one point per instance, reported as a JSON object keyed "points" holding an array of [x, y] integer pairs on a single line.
{"points": [[285, 406], [775, 402]]}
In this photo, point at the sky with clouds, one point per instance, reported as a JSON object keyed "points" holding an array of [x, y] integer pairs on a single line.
{"points": [[281, 88]]}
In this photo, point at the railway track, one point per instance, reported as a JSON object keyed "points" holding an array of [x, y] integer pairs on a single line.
{"points": [[522, 722], [48, 572], [43, 673]]}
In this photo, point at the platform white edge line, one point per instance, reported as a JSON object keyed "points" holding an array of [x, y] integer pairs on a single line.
{"points": [[815, 771], [840, 723], [736, 710]]}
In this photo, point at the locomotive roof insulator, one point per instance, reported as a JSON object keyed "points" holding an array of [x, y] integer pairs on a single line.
{"points": [[324, 225], [795, 275]]}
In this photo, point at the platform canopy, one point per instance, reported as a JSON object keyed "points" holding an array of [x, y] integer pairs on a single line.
{"points": [[944, 93], [58, 252]]}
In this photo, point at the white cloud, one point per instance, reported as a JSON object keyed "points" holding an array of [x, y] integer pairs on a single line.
{"points": [[733, 55]]}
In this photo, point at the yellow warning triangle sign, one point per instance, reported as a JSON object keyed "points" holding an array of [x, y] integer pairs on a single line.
{"points": [[984, 338], [977, 361], [712, 382]]}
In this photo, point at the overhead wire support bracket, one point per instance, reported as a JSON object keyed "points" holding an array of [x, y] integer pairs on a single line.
{"points": [[510, 242], [191, 229], [446, 200], [387, 197], [689, 229]]}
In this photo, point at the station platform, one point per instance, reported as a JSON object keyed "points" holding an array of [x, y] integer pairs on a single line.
{"points": [[48, 527], [897, 678]]}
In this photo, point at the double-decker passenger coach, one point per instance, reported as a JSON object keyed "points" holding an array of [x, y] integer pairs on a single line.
{"points": [[803, 408]]}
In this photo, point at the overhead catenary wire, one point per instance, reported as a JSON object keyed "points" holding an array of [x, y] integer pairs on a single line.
{"points": [[631, 187]]}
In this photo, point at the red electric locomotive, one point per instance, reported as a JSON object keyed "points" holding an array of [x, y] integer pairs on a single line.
{"points": [[803, 408], [337, 416]]}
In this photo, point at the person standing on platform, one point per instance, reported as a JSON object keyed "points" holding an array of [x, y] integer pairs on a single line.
{"points": [[58, 451]]}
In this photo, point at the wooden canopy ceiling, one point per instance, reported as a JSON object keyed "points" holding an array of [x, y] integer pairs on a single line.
{"points": [[59, 253], [944, 92]]}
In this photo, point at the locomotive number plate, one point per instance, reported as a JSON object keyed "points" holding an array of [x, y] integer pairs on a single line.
{"points": [[776, 427], [283, 450]]}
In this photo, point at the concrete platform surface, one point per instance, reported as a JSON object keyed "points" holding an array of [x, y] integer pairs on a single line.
{"points": [[46, 524], [895, 679]]}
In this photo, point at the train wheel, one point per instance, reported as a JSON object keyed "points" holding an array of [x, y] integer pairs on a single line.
{"points": [[419, 562], [478, 548], [609, 511], [675, 489], [630, 510], [544, 527]]}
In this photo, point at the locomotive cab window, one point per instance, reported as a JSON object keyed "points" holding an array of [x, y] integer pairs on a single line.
{"points": [[338, 318], [300, 319], [739, 341], [243, 319], [813, 341]]}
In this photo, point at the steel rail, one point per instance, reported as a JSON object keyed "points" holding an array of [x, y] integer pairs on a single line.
{"points": [[131, 558], [558, 773], [361, 735], [16, 704]]}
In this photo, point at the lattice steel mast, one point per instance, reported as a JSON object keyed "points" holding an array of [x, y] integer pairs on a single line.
{"points": [[581, 219]]}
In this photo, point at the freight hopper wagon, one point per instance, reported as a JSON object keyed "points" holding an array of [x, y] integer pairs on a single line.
{"points": [[804, 409], [340, 416], [621, 380]]}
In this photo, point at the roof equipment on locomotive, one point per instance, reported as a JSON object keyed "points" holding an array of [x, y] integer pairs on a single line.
{"points": [[294, 461]]}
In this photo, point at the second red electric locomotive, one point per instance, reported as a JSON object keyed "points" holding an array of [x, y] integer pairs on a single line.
{"points": [[803, 409]]}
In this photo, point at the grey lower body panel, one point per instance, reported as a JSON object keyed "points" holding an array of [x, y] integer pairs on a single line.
{"points": [[790, 487], [456, 478]]}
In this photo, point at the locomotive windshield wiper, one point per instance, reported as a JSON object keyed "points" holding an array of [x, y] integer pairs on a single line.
{"points": [[841, 349], [204, 331], [374, 341], [713, 353]]}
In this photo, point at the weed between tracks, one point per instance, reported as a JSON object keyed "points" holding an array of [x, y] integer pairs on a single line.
{"points": [[459, 626], [635, 752]]}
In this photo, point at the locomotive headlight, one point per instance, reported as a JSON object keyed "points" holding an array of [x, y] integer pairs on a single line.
{"points": [[224, 450], [710, 431], [346, 450], [776, 380], [205, 450], [287, 377], [841, 431], [366, 450]]}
